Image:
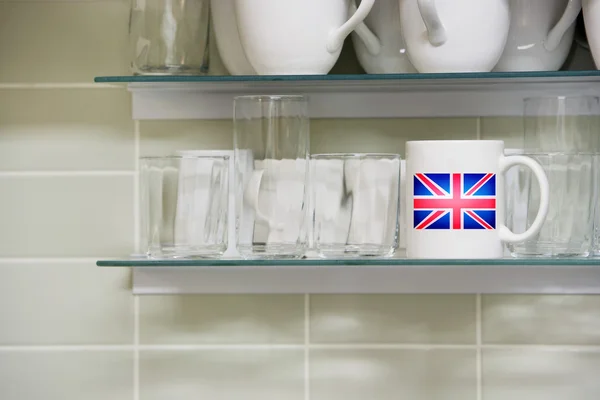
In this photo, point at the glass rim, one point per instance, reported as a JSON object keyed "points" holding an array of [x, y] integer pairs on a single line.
{"points": [[356, 155], [183, 157], [271, 98]]}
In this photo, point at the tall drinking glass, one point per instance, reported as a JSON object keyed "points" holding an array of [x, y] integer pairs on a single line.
{"points": [[561, 133], [169, 37], [271, 145]]}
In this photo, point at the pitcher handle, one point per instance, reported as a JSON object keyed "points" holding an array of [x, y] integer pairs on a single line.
{"points": [[505, 163], [337, 37], [436, 32], [564, 23], [370, 40]]}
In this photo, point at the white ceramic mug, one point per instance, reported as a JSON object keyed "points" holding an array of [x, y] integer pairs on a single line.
{"points": [[454, 35], [591, 15], [540, 36], [384, 50], [228, 40], [296, 37], [456, 196]]}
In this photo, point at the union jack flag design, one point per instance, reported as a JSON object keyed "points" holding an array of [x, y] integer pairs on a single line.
{"points": [[454, 201]]}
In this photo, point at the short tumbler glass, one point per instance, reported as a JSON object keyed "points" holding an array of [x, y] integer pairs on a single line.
{"points": [[561, 134], [184, 206], [169, 37], [271, 142], [355, 204]]}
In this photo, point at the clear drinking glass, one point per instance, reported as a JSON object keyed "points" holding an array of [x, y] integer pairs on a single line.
{"points": [[355, 204], [169, 37], [184, 206], [271, 142], [561, 133]]}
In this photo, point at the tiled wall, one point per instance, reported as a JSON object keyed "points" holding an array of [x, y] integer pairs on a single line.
{"points": [[71, 331]]}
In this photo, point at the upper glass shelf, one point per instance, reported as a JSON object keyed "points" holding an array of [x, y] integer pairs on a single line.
{"points": [[391, 262], [495, 94], [362, 77]]}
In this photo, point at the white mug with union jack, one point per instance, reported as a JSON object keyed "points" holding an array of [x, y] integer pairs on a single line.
{"points": [[456, 196]]}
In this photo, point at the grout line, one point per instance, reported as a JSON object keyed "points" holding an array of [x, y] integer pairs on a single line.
{"points": [[48, 85], [392, 346], [136, 347], [291, 347], [54, 174], [478, 339], [136, 186], [307, 346], [217, 347], [66, 348], [137, 244], [54, 260], [478, 128]]}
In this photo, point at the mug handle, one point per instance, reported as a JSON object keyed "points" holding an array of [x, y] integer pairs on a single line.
{"points": [[337, 37], [436, 32], [251, 196], [507, 162], [370, 40], [564, 23]]}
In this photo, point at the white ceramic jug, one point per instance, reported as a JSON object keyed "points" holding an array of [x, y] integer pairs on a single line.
{"points": [[540, 36], [227, 37], [384, 24], [296, 37], [591, 14], [454, 35]]}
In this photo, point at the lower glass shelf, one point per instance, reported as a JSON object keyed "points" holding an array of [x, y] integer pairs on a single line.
{"points": [[363, 276], [399, 262]]}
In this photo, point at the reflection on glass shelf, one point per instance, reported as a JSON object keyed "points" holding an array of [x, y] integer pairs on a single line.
{"points": [[144, 262], [362, 77]]}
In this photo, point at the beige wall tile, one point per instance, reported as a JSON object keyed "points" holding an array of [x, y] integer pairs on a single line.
{"points": [[509, 129], [66, 375], [62, 41], [392, 374], [222, 374], [66, 130], [65, 303], [66, 216], [528, 374], [221, 319], [385, 135], [327, 135], [538, 319], [159, 138], [392, 319]]}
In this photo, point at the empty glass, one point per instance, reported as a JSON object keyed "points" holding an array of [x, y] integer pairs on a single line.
{"points": [[355, 204], [561, 134], [169, 37], [271, 141], [184, 206]]}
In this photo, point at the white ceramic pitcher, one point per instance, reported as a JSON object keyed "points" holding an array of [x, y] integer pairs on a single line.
{"points": [[454, 35], [227, 37], [383, 23], [591, 14], [296, 37], [540, 36]]}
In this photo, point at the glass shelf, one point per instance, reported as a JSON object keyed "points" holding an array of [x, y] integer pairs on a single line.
{"points": [[357, 77], [364, 262], [356, 96], [371, 275]]}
